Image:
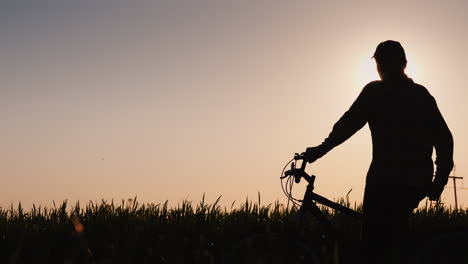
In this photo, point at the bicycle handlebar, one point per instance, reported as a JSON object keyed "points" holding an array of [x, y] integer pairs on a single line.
{"points": [[301, 156], [310, 196], [298, 173], [298, 156]]}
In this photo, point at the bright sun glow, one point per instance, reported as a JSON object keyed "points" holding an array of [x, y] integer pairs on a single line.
{"points": [[368, 71]]}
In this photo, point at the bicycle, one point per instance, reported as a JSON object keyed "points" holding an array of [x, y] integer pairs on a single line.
{"points": [[307, 205], [301, 240]]}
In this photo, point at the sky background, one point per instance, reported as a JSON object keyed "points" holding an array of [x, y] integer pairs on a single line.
{"points": [[168, 100]]}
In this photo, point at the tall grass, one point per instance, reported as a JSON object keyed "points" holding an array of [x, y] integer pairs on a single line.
{"points": [[130, 232]]}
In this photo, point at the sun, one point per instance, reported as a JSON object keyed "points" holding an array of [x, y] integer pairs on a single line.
{"points": [[368, 71], [411, 68]]}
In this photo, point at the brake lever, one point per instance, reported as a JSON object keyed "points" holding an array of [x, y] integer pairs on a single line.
{"points": [[286, 174], [297, 178], [289, 172]]}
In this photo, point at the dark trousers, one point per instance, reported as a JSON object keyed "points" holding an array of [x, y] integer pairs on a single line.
{"points": [[385, 227]]}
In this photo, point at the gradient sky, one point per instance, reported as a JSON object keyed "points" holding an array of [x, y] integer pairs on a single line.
{"points": [[172, 99]]}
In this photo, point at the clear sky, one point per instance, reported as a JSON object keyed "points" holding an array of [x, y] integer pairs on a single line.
{"points": [[172, 99]]}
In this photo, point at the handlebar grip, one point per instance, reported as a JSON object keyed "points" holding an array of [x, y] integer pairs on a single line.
{"points": [[298, 156]]}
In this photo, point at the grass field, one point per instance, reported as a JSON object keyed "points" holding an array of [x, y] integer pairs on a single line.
{"points": [[129, 232]]}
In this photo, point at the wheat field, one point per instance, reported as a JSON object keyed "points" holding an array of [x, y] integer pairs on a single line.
{"points": [[130, 232]]}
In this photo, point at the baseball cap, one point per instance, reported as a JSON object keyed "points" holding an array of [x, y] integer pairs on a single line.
{"points": [[390, 51]]}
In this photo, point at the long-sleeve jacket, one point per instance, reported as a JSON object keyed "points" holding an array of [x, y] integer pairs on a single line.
{"points": [[405, 124]]}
